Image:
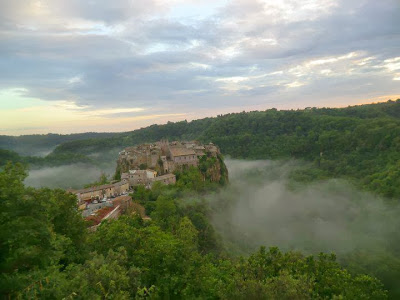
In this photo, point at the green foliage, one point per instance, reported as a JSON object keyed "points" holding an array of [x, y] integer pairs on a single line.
{"points": [[38, 144], [165, 214], [361, 143], [100, 277], [143, 166], [117, 175], [276, 275], [208, 240], [49, 160], [382, 264], [45, 254], [38, 229], [9, 156], [190, 179]]}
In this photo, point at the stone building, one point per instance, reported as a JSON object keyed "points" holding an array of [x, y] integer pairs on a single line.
{"points": [[137, 177], [101, 191], [121, 187], [165, 179], [212, 149], [144, 155], [146, 178], [181, 156], [164, 157]]}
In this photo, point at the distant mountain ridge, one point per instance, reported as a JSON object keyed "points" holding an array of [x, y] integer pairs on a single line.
{"points": [[26, 145], [358, 142], [36, 144], [219, 128]]}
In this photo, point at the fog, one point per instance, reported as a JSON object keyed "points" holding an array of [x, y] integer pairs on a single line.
{"points": [[74, 175], [67, 176], [30, 150], [262, 206]]}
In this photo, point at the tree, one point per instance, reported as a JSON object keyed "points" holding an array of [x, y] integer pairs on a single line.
{"points": [[165, 214], [26, 237]]}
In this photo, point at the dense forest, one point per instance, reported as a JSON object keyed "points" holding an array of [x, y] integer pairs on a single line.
{"points": [[47, 253], [359, 143], [42, 144]]}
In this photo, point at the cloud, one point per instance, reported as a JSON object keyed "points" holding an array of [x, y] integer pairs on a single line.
{"points": [[157, 54]]}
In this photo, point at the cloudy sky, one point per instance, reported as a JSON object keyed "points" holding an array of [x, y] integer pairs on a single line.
{"points": [[100, 65]]}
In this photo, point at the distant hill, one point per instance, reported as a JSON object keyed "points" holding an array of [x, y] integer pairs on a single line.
{"points": [[358, 142], [390, 109], [43, 144], [233, 132], [361, 143]]}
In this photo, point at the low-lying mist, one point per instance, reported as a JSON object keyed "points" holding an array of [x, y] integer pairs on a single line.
{"points": [[74, 175], [67, 176], [262, 206]]}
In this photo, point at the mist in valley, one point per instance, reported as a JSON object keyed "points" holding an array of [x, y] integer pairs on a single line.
{"points": [[262, 206], [67, 176], [74, 175]]}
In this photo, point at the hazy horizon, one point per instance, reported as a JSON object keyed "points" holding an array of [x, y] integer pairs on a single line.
{"points": [[189, 120]]}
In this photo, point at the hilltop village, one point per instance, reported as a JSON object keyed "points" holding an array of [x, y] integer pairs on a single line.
{"points": [[144, 165], [149, 163]]}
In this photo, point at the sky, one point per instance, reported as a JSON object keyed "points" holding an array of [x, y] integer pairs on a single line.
{"points": [[98, 65]]}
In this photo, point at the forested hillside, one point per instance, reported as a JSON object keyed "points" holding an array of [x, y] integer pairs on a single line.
{"points": [[47, 253], [360, 143], [185, 251], [42, 144]]}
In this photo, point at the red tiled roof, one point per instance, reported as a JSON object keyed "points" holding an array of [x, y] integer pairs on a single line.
{"points": [[100, 214]]}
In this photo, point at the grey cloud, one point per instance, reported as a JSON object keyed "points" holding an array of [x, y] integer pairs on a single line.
{"points": [[352, 24], [28, 12], [103, 10], [162, 61]]}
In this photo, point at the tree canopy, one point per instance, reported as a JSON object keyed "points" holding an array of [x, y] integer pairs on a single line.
{"points": [[47, 253]]}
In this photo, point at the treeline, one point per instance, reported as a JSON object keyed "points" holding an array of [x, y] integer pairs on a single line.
{"points": [[47, 253], [35, 144], [48, 161], [361, 143], [367, 150]]}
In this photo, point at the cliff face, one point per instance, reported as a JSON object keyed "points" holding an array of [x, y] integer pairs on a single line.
{"points": [[213, 168]]}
